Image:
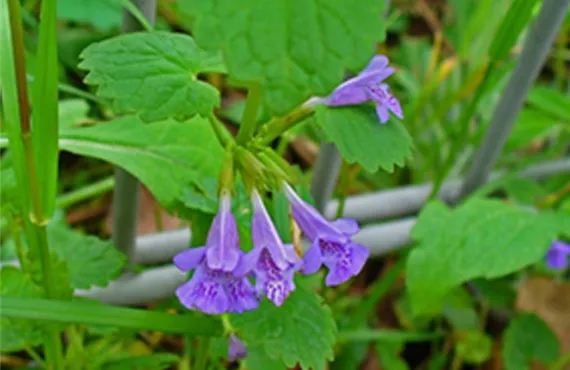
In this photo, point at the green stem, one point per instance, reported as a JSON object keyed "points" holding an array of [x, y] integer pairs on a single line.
{"points": [[35, 226], [249, 119], [224, 136], [86, 192], [278, 126], [561, 362]]}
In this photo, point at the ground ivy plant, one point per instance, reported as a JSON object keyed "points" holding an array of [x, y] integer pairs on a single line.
{"points": [[258, 242]]}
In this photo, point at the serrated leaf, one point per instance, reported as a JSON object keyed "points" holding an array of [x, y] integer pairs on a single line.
{"points": [[301, 331], [528, 338], [257, 359], [62, 290], [360, 138], [153, 74], [295, 49], [103, 14], [481, 238], [18, 333], [164, 155], [202, 197], [90, 260]]}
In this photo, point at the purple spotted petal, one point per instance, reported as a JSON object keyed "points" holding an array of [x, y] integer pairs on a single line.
{"points": [[557, 255], [216, 292], [223, 241], [236, 348], [331, 242], [265, 236], [275, 283]]}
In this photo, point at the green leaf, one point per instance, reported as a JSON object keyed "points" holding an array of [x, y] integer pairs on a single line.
{"points": [[18, 333], [257, 359], [524, 190], [360, 138], [62, 289], [389, 355], [153, 74], [102, 14], [459, 310], [44, 109], [526, 339], [481, 238], [301, 331], [551, 101], [295, 49], [532, 126], [474, 347], [155, 361], [202, 197], [85, 312], [512, 25], [165, 155], [90, 260], [72, 112]]}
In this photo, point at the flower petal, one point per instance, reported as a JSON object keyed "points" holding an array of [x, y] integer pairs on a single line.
{"points": [[378, 62], [348, 93], [236, 348], [241, 295], [312, 259], [247, 262], [189, 259], [382, 113], [347, 226], [265, 235], [360, 254], [223, 240]]}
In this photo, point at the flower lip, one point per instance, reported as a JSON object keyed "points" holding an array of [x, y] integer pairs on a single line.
{"points": [[331, 242]]}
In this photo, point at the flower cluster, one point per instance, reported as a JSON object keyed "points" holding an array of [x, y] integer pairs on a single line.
{"points": [[221, 280], [367, 86]]}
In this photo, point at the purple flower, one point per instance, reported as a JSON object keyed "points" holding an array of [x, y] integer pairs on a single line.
{"points": [[272, 262], [331, 242], [214, 287], [557, 255], [367, 87], [236, 348]]}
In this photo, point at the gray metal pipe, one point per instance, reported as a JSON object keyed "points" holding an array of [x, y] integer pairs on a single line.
{"points": [[161, 282], [534, 53]]}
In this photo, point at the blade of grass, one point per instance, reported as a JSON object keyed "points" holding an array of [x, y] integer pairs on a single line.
{"points": [[45, 108], [388, 335], [16, 105], [82, 312]]}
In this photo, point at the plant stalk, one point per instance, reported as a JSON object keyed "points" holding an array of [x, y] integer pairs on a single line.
{"points": [[278, 126], [249, 119], [34, 223]]}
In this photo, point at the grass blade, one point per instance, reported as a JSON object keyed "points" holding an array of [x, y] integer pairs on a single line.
{"points": [[84, 312]]}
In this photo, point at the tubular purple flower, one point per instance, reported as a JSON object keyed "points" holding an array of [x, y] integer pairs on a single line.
{"points": [[331, 242], [557, 255], [366, 86], [272, 262], [236, 348], [214, 287]]}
